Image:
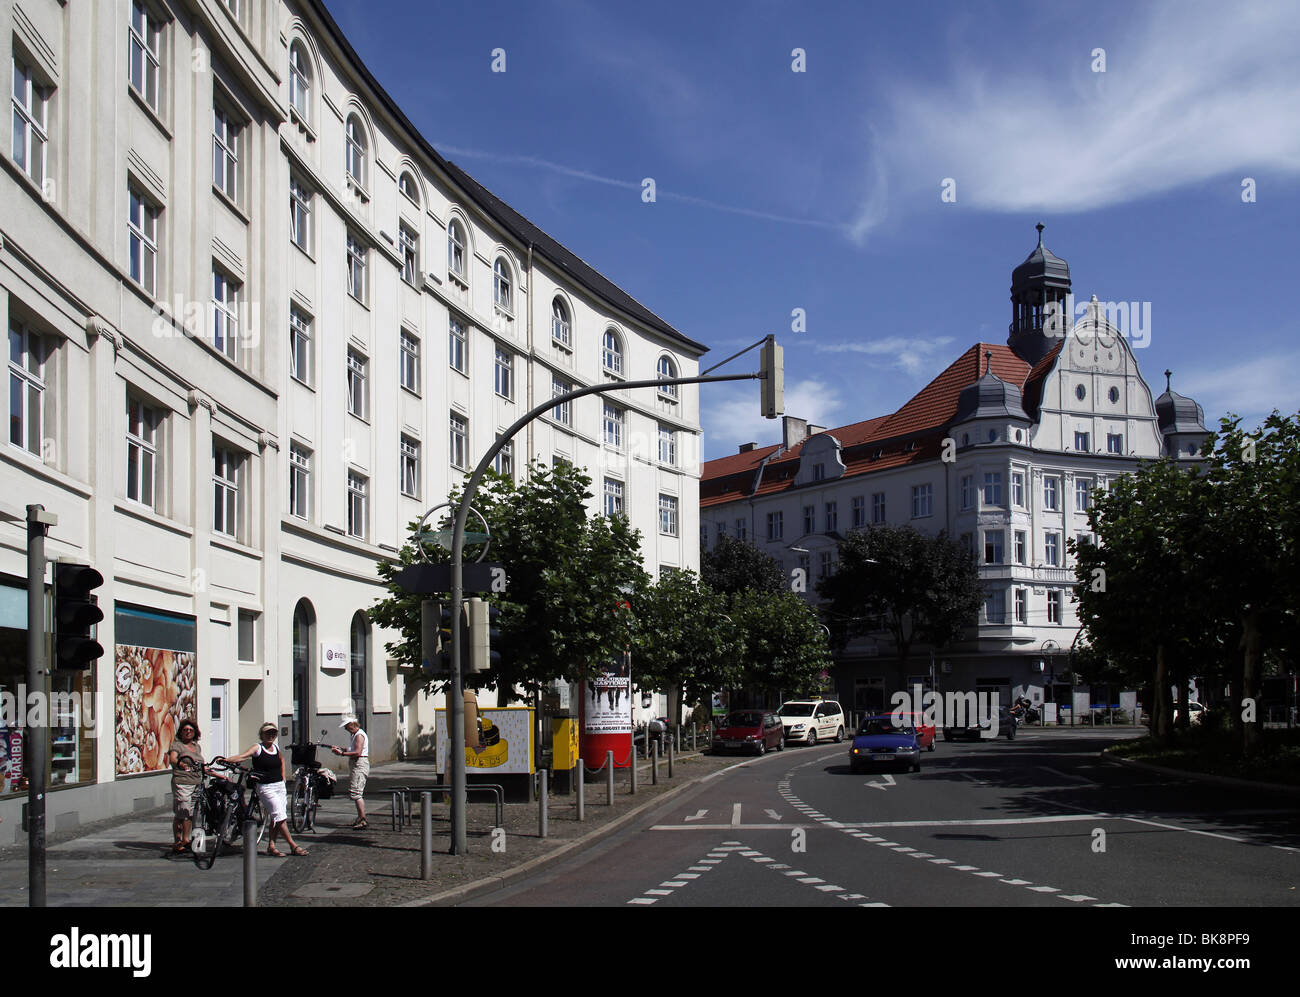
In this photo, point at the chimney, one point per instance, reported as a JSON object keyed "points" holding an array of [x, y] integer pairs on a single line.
{"points": [[746, 447], [814, 430], [793, 431]]}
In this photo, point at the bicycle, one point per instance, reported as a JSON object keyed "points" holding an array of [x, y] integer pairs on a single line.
{"points": [[220, 811], [306, 793]]}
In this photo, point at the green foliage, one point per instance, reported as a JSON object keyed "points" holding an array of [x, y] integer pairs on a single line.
{"points": [[684, 638], [738, 566], [785, 647]]}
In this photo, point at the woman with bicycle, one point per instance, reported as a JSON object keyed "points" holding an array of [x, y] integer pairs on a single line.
{"points": [[268, 766], [187, 773]]}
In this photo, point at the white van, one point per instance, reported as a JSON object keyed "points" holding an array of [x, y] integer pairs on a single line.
{"points": [[808, 721]]}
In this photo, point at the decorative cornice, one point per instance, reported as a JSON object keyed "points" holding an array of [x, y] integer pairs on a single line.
{"points": [[97, 327], [197, 398], [265, 439]]}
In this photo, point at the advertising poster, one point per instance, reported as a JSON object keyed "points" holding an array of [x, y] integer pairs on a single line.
{"points": [[155, 689], [11, 765], [608, 706], [504, 741]]}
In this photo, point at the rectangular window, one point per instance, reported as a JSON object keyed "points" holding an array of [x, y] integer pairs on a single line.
{"points": [[742, 530], [1050, 500], [299, 481], [967, 490], [358, 388], [877, 507], [142, 229], [922, 501], [410, 458], [410, 248], [613, 497], [668, 515], [805, 565], [409, 361], [1018, 488], [504, 462], [141, 451], [299, 345], [358, 513], [613, 420], [1020, 546], [225, 315], [993, 488], [1054, 606], [775, 526], [247, 637], [832, 517], [995, 606], [456, 350], [225, 153], [667, 446], [809, 519], [1022, 606], [859, 511], [819, 472], [357, 258], [1114, 443], [227, 472], [826, 564], [144, 51], [1052, 549], [30, 100], [1082, 495], [300, 200], [993, 540], [504, 378], [562, 413], [1082, 538], [1081, 443], [459, 441], [27, 355]]}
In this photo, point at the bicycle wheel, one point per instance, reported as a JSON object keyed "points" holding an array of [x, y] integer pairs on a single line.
{"points": [[200, 830], [313, 801], [258, 816], [298, 809]]}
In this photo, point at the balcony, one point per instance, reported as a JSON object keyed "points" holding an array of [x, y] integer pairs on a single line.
{"points": [[1038, 574]]}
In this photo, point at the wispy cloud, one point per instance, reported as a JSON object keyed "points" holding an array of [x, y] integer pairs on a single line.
{"points": [[912, 354], [1191, 91], [1250, 389], [732, 417]]}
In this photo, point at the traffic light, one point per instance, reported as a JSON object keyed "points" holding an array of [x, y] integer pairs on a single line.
{"points": [[484, 632], [76, 610], [772, 370], [435, 636]]}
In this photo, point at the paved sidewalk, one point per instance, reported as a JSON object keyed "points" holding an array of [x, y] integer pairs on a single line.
{"points": [[127, 861]]}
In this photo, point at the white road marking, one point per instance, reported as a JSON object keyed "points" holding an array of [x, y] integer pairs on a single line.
{"points": [[828, 888], [1044, 889], [1189, 830], [989, 875], [735, 815], [688, 875], [981, 821], [941, 861], [1069, 776], [1078, 898], [811, 879], [673, 883], [698, 815], [660, 893], [1015, 882], [889, 781], [966, 868], [644, 900], [773, 814]]}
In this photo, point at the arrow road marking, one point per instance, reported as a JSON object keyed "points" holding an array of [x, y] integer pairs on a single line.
{"points": [[882, 785], [773, 814], [698, 815]]}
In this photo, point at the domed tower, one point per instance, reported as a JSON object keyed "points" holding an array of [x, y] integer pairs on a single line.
{"points": [[1182, 422], [1039, 314], [991, 405]]}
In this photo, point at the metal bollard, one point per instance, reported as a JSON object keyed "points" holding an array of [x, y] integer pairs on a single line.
{"points": [[671, 752], [693, 730], [541, 803], [632, 781], [609, 773], [250, 863], [581, 776], [654, 765], [426, 835]]}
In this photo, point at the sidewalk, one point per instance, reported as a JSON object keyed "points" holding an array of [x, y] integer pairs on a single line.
{"points": [[127, 861]]}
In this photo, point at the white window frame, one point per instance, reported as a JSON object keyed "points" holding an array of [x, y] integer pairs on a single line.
{"points": [[142, 244], [1051, 494], [922, 501], [1021, 603], [1019, 543], [408, 188], [358, 260], [995, 551], [667, 368], [225, 314], [775, 526], [300, 77], [503, 374], [227, 479], [992, 490], [967, 491], [456, 249], [27, 378], [1055, 606], [995, 607], [300, 345], [410, 466], [1085, 439], [611, 353], [358, 370], [1052, 548], [356, 148], [563, 412], [503, 286], [667, 445], [300, 204], [742, 529], [612, 422], [358, 505], [409, 361], [458, 450], [145, 38], [457, 346], [668, 515], [859, 512], [1082, 494], [142, 421], [1115, 443], [879, 510], [1018, 489], [31, 121], [504, 462], [299, 481], [560, 324], [614, 497], [410, 250], [226, 139]]}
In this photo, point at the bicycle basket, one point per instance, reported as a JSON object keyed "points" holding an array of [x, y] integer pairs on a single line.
{"points": [[302, 754]]}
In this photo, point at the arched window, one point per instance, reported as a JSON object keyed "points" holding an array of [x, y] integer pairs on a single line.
{"points": [[304, 639], [356, 150], [407, 186], [300, 81], [359, 658], [667, 369], [560, 323], [456, 249], [501, 289], [612, 353]]}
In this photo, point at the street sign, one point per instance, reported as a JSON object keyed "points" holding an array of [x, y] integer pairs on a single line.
{"points": [[431, 579]]}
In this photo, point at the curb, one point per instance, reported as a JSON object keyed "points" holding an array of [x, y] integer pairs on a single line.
{"points": [[521, 871], [1220, 780]]}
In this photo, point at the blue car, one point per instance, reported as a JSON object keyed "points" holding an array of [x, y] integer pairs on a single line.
{"points": [[880, 742]]}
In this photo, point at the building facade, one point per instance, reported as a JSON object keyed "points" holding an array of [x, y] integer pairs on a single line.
{"points": [[257, 326], [1003, 451]]}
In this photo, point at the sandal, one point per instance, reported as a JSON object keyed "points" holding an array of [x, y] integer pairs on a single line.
{"points": [[300, 851], [360, 824], [275, 853], [180, 848]]}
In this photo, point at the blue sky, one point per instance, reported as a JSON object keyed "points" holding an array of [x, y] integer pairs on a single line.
{"points": [[821, 190]]}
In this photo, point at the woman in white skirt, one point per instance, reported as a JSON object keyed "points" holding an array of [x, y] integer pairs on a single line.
{"points": [[269, 766]]}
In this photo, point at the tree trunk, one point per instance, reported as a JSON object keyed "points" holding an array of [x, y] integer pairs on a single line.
{"points": [[1252, 642], [1161, 708], [1184, 697]]}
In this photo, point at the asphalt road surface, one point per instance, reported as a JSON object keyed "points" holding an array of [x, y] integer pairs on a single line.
{"points": [[1038, 822]]}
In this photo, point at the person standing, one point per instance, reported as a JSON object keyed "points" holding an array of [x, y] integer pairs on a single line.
{"points": [[269, 767], [186, 761], [358, 756]]}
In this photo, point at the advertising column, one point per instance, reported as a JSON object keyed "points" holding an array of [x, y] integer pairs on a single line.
{"points": [[607, 716]]}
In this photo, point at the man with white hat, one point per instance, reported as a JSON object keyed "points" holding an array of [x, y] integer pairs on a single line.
{"points": [[358, 756]]}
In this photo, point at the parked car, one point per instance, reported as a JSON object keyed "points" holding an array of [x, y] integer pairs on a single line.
{"points": [[976, 729], [749, 730], [811, 720], [925, 733], [880, 742]]}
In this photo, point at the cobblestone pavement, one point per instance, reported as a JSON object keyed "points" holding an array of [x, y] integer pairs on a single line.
{"points": [[126, 861]]}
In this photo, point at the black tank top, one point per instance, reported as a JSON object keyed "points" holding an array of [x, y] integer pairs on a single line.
{"points": [[267, 764]]}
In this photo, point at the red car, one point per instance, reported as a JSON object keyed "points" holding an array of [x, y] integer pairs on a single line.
{"points": [[924, 732], [749, 730]]}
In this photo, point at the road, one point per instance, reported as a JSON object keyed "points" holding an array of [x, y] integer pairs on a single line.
{"points": [[1038, 822]]}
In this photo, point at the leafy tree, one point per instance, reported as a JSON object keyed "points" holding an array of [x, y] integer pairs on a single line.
{"points": [[567, 572], [926, 588], [738, 566], [785, 647]]}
